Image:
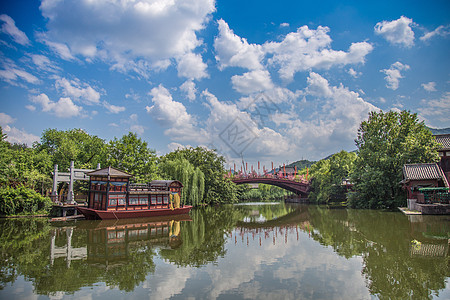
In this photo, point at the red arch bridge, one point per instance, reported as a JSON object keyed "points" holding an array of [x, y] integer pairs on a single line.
{"points": [[300, 188]]}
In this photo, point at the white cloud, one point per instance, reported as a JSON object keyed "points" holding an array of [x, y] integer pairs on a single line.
{"points": [[440, 31], [192, 66], [234, 51], [436, 112], [30, 107], [334, 123], [430, 86], [63, 108], [172, 115], [125, 31], [251, 82], [13, 134], [44, 63], [397, 32], [114, 109], [318, 86], [308, 49], [354, 73], [9, 27], [62, 50], [11, 73], [393, 74], [284, 25], [78, 91], [6, 119], [225, 117], [189, 88]]}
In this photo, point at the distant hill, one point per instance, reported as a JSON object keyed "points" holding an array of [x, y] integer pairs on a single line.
{"points": [[301, 164], [440, 131]]}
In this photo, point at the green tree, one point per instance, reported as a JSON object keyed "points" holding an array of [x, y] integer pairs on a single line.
{"points": [[72, 145], [387, 141], [217, 188], [132, 155], [327, 176], [191, 177]]}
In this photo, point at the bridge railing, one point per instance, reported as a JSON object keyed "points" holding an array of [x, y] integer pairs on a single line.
{"points": [[296, 178]]}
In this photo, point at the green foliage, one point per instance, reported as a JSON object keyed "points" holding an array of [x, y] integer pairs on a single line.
{"points": [[301, 164], [217, 188], [327, 176], [264, 192], [191, 177], [131, 154], [387, 141], [20, 165], [72, 145], [22, 200]]}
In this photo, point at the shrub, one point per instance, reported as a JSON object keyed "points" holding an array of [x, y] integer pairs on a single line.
{"points": [[22, 201]]}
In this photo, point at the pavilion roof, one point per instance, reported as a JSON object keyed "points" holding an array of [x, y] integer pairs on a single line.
{"points": [[430, 171], [444, 140], [109, 171]]}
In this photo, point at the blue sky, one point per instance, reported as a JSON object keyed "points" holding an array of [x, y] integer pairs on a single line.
{"points": [[271, 80]]}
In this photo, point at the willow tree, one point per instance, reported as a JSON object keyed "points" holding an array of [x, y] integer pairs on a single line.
{"points": [[191, 177]]}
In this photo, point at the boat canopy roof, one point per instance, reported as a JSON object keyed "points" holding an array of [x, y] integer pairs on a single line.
{"points": [[166, 183]]}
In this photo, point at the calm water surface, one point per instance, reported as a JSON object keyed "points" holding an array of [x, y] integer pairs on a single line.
{"points": [[272, 251]]}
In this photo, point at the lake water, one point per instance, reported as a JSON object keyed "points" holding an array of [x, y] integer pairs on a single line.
{"points": [[257, 251]]}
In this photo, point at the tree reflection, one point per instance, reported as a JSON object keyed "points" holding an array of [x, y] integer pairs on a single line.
{"points": [[402, 258], [384, 240]]}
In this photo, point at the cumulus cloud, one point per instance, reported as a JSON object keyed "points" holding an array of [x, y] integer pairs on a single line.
{"points": [[123, 31], [354, 73], [192, 66], [436, 111], [114, 109], [9, 27], [397, 32], [234, 51], [334, 123], [189, 88], [393, 74], [63, 108], [430, 86], [78, 91], [172, 115], [308, 49], [251, 82], [440, 31], [13, 134], [232, 130]]}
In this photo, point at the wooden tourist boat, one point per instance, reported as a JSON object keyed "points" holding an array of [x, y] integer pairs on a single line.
{"points": [[112, 196]]}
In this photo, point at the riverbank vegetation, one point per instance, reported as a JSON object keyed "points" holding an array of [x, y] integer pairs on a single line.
{"points": [[385, 142], [371, 176], [263, 193], [28, 170]]}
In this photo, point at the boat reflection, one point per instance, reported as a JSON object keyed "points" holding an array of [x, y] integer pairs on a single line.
{"points": [[111, 241]]}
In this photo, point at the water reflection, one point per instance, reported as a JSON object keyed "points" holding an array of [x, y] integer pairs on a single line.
{"points": [[246, 251]]}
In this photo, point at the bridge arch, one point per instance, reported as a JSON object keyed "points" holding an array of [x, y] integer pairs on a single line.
{"points": [[299, 188]]}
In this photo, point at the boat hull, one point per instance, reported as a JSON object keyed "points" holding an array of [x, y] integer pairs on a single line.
{"points": [[94, 214]]}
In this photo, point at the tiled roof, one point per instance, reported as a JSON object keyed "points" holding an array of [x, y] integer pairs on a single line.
{"points": [[109, 171], [421, 172], [444, 140]]}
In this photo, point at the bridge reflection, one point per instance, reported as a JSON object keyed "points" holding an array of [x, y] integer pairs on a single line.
{"points": [[297, 186]]}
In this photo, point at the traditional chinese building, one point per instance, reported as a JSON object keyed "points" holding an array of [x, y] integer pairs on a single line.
{"points": [[427, 188], [444, 153]]}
